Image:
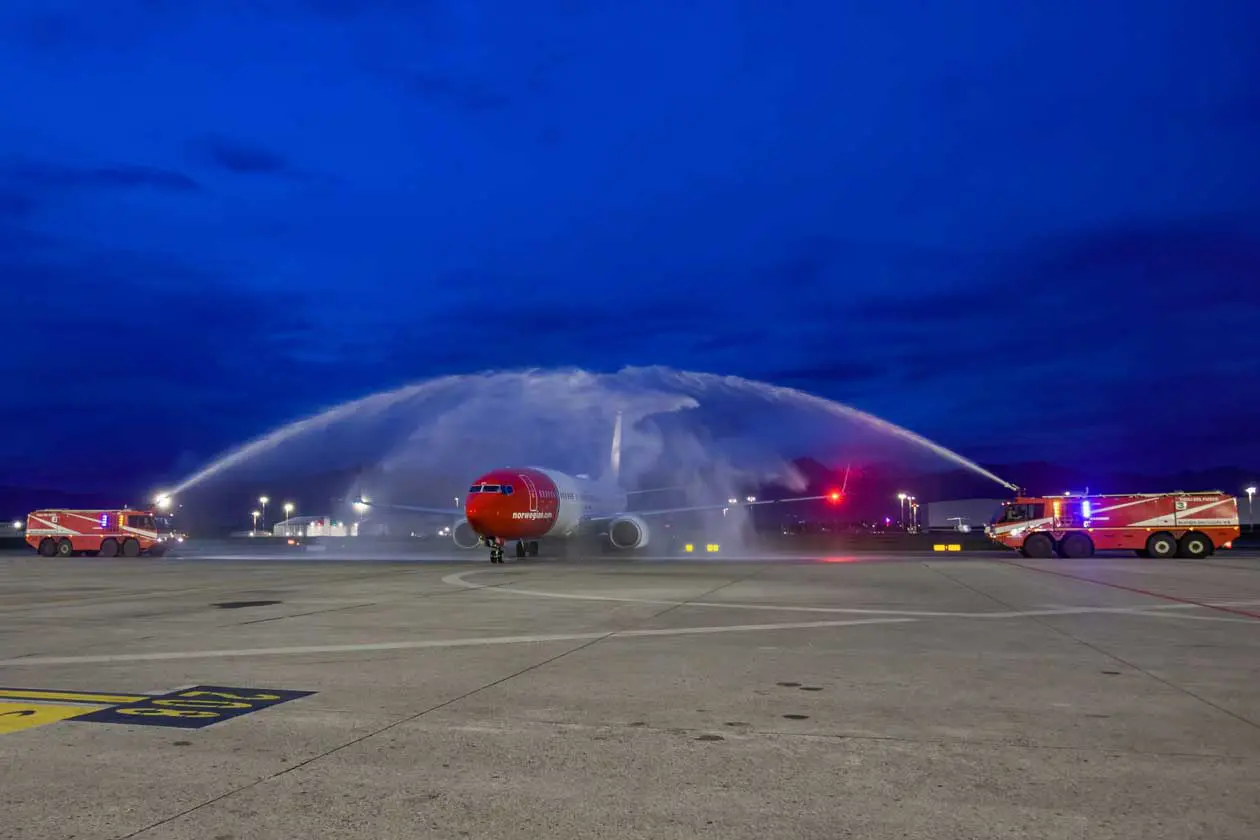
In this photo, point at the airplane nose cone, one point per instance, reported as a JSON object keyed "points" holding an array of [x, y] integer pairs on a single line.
{"points": [[480, 513]]}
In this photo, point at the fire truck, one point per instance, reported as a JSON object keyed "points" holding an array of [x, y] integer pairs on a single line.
{"points": [[1161, 525], [100, 533]]}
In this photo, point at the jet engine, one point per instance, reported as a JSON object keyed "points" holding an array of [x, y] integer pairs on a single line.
{"points": [[464, 535], [626, 532]]}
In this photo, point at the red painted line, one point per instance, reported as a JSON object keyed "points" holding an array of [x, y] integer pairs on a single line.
{"points": [[1138, 590]]}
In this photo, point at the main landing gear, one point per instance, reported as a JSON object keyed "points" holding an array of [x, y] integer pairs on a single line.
{"points": [[496, 550]]}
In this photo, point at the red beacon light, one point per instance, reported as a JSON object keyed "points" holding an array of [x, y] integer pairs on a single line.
{"points": [[834, 496]]}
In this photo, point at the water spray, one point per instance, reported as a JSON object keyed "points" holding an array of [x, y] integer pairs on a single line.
{"points": [[555, 414]]}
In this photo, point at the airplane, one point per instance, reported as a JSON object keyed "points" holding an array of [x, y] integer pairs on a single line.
{"points": [[528, 504]]}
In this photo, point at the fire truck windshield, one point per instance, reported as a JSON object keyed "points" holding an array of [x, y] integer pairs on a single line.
{"points": [[1019, 513]]}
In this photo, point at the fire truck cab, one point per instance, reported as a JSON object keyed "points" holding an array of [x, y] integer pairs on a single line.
{"points": [[1191, 525], [99, 533]]}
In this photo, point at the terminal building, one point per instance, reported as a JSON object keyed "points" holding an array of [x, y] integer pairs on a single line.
{"points": [[314, 526]]}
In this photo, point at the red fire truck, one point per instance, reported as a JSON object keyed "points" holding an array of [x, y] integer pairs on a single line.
{"points": [[1150, 524], [103, 533]]}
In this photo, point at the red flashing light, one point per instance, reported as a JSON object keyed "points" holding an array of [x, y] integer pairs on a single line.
{"points": [[833, 496]]}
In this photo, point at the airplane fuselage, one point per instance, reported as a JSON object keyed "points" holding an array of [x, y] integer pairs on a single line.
{"points": [[529, 503]]}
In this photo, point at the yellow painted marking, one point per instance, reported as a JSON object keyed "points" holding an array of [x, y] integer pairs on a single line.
{"points": [[71, 696], [15, 717]]}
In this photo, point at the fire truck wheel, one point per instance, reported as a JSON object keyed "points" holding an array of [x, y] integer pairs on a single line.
{"points": [[109, 548], [1076, 545], [47, 547], [65, 548], [1195, 546], [1162, 545], [130, 548], [1039, 545]]}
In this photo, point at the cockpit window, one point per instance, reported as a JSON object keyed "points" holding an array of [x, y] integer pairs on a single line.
{"points": [[505, 489]]}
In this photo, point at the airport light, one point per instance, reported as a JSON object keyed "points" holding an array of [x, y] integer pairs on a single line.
{"points": [[17, 524], [288, 509], [1251, 511], [752, 499], [255, 514], [901, 518], [163, 501]]}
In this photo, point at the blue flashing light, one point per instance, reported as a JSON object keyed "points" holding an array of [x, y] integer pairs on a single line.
{"points": [[1085, 508]]}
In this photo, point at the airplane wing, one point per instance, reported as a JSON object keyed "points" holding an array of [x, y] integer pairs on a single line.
{"points": [[834, 496]]}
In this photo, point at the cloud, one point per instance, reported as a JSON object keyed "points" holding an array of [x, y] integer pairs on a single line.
{"points": [[33, 175], [241, 158]]}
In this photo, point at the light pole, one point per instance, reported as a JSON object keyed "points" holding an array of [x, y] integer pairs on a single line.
{"points": [[254, 529], [1251, 511], [901, 517], [262, 500], [288, 509]]}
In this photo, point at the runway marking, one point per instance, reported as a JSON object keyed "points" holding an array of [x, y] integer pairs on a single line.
{"points": [[427, 644], [90, 697], [193, 708], [458, 579], [14, 717]]}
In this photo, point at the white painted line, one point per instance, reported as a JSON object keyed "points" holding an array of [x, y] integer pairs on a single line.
{"points": [[439, 643], [458, 579]]}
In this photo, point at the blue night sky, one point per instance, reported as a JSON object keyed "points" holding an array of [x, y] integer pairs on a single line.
{"points": [[1030, 231]]}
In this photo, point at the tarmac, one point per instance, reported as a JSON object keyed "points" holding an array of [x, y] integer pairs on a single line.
{"points": [[930, 695]]}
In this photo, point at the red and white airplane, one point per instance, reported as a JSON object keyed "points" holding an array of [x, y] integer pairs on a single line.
{"points": [[527, 504]]}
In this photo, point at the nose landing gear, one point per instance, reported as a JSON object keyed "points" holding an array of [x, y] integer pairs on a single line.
{"points": [[523, 548]]}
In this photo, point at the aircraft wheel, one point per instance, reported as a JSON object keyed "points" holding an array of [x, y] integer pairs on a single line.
{"points": [[520, 549], [533, 548]]}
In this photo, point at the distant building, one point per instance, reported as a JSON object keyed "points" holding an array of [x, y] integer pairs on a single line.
{"points": [[960, 514], [313, 526]]}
